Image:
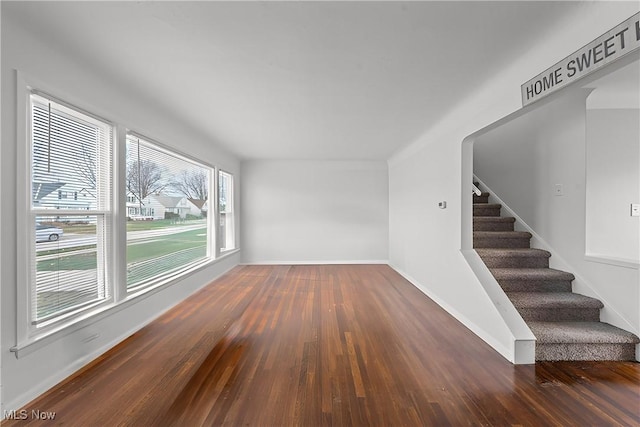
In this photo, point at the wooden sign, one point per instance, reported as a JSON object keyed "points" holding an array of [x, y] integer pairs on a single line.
{"points": [[612, 45]]}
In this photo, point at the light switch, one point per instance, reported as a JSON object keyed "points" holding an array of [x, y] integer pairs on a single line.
{"points": [[635, 209], [442, 205]]}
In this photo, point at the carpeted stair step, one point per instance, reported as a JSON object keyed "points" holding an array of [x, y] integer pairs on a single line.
{"points": [[582, 341], [486, 209], [556, 306], [514, 258], [533, 279], [566, 325], [482, 198], [493, 223], [501, 239]]}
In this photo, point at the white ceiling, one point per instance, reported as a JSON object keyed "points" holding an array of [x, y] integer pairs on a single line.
{"points": [[305, 80]]}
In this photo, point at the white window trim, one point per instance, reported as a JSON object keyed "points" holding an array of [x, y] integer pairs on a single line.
{"points": [[29, 340], [27, 331], [211, 254], [219, 251]]}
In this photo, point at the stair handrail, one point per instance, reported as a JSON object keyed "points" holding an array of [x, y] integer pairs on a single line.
{"points": [[476, 190]]}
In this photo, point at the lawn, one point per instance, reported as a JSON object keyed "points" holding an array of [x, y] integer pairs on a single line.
{"points": [[159, 223], [163, 245], [137, 251], [131, 225], [146, 258], [84, 261]]}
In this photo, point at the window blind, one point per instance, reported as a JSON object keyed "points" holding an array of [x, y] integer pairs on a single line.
{"points": [[71, 185], [167, 227]]}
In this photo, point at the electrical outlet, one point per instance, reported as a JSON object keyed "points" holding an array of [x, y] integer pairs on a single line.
{"points": [[558, 191], [635, 209]]}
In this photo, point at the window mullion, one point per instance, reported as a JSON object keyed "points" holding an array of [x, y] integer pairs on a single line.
{"points": [[119, 218]]}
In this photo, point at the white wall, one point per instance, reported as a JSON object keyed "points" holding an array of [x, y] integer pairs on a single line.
{"points": [[73, 81], [314, 211], [523, 160], [424, 241], [613, 183]]}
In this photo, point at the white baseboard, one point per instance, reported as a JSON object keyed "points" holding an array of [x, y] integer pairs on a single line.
{"points": [[318, 262], [507, 353], [58, 376]]}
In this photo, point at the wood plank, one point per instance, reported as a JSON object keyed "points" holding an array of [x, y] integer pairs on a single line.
{"points": [[328, 345]]}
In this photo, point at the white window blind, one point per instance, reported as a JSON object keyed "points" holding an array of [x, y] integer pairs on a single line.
{"points": [[167, 228], [71, 192], [225, 201]]}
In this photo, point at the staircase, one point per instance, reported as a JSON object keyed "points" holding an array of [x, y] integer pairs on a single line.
{"points": [[566, 325]]}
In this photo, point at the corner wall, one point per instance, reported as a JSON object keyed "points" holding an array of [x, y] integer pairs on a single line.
{"points": [[300, 211], [425, 241]]}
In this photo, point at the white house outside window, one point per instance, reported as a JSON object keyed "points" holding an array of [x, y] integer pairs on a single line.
{"points": [[168, 229], [70, 209]]}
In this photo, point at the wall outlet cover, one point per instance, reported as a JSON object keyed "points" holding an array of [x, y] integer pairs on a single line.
{"points": [[558, 190]]}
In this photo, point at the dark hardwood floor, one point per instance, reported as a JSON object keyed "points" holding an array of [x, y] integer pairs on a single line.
{"points": [[329, 345]]}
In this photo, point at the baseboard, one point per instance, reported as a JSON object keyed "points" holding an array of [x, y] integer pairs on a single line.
{"points": [[523, 338], [505, 352], [59, 376], [319, 262], [618, 262]]}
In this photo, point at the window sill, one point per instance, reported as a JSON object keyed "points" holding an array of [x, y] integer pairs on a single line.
{"points": [[619, 262], [84, 320]]}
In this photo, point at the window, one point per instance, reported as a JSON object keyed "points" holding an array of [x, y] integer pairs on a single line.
{"points": [[167, 228], [70, 210], [71, 250], [227, 239]]}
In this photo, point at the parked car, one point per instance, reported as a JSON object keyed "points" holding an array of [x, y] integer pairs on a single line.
{"points": [[48, 233]]}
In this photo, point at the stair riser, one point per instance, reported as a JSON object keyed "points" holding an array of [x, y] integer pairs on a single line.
{"points": [[480, 199], [515, 262], [560, 314], [534, 286], [486, 211], [494, 242], [568, 351], [492, 226]]}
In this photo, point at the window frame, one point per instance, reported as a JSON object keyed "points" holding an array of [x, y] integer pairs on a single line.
{"points": [[28, 327], [219, 250], [28, 338], [211, 251]]}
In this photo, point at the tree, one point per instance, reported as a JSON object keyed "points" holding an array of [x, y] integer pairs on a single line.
{"points": [[194, 184], [144, 177], [87, 168]]}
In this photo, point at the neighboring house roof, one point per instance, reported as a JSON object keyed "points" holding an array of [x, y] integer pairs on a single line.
{"points": [[169, 201], [43, 189], [199, 203]]}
